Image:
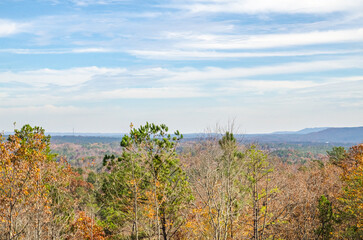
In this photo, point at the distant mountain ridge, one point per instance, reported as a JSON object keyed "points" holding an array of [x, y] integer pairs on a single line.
{"points": [[313, 135], [303, 131], [352, 135]]}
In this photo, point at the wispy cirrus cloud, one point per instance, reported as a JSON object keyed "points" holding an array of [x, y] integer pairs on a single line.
{"points": [[191, 40], [182, 39], [117, 34], [200, 55], [57, 51], [217, 73], [103, 84], [150, 93], [84, 3], [173, 54], [63, 78], [161, 77], [257, 88], [267, 6], [95, 2]]}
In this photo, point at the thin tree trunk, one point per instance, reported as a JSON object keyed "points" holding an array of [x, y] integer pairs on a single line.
{"points": [[135, 202], [163, 224], [266, 205], [255, 208], [157, 210]]}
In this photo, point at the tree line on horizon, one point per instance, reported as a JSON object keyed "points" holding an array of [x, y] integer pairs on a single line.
{"points": [[214, 189]]}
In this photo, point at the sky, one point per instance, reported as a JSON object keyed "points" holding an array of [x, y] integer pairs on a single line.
{"points": [[98, 65]]}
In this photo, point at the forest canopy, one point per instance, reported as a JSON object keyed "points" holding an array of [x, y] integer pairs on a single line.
{"points": [[155, 188]]}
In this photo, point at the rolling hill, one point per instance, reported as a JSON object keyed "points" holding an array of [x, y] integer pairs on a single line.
{"points": [[326, 135]]}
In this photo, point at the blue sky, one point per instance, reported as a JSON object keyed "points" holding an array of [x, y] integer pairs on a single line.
{"points": [[97, 65]]}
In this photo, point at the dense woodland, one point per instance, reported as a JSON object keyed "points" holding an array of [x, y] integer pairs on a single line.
{"points": [[216, 188]]}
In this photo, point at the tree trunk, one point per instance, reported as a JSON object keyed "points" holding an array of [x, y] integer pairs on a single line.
{"points": [[255, 209], [163, 224]]}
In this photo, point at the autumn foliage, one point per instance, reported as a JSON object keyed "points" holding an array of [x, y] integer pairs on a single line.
{"points": [[159, 188], [352, 195], [85, 227], [36, 199]]}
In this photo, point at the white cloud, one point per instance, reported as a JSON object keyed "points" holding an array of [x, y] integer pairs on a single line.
{"points": [[267, 6], [198, 55], [84, 3], [47, 107], [346, 79], [336, 95], [151, 93], [163, 82], [95, 2], [172, 54], [58, 51], [214, 73], [92, 50], [8, 28], [3, 95], [261, 86], [292, 101], [114, 32], [68, 77], [91, 85], [197, 41]]}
